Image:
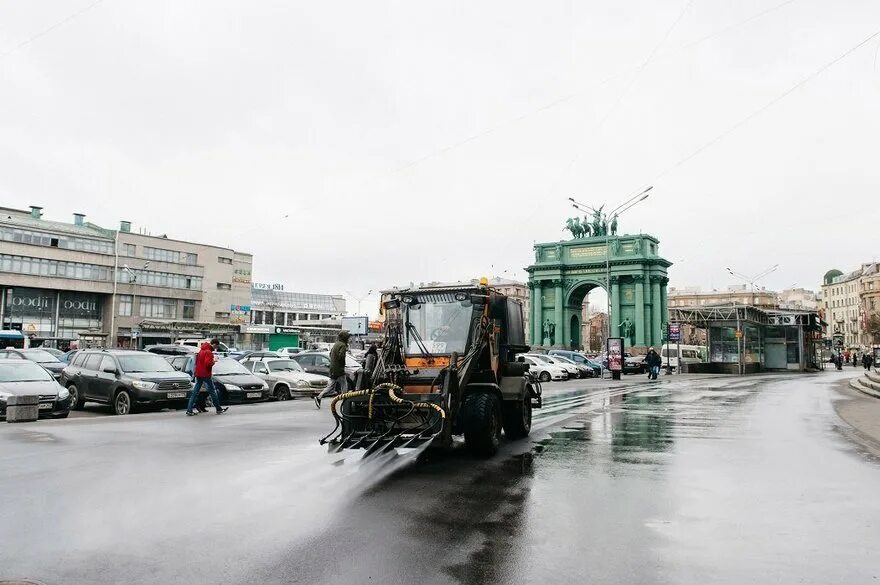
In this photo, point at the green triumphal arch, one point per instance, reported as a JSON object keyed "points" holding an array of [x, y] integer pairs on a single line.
{"points": [[564, 272]]}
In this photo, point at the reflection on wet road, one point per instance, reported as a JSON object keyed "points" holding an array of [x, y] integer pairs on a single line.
{"points": [[719, 480]]}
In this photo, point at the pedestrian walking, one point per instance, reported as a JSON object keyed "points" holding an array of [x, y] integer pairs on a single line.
{"points": [[338, 383], [203, 371], [653, 361], [371, 358]]}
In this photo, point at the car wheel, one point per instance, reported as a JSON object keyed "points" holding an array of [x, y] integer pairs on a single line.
{"points": [[76, 401], [544, 376], [122, 403], [282, 392]]}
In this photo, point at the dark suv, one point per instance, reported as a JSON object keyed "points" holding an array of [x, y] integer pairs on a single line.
{"points": [[124, 379]]}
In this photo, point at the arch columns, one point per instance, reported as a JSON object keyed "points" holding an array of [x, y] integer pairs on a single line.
{"points": [[559, 315], [537, 298]]}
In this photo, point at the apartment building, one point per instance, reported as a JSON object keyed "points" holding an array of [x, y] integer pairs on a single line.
{"points": [[848, 301], [77, 282]]}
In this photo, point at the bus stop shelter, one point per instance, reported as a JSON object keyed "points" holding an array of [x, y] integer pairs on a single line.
{"points": [[743, 339]]}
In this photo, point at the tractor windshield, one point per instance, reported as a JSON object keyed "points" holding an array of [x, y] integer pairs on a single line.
{"points": [[437, 326]]}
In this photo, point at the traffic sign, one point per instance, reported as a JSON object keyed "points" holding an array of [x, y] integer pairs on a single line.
{"points": [[739, 333]]}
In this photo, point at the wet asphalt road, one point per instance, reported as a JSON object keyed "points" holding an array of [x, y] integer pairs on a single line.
{"points": [[719, 480]]}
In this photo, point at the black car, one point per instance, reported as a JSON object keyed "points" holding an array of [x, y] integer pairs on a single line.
{"points": [[124, 379], [171, 349], [234, 382], [20, 377], [38, 355], [318, 362]]}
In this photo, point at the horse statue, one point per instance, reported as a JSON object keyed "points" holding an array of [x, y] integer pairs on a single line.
{"points": [[573, 224], [614, 225], [586, 226]]}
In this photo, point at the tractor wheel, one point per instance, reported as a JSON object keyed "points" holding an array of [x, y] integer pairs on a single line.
{"points": [[482, 423], [518, 418]]}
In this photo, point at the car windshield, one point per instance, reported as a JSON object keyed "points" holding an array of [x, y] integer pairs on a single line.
{"points": [[284, 366], [437, 327], [228, 367], [41, 356], [148, 362], [23, 371], [564, 360], [542, 358]]}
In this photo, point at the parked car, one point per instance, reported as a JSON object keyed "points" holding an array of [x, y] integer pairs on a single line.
{"points": [[171, 349], [571, 369], [197, 343], [584, 370], [37, 355], [634, 364], [23, 377], [243, 355], [68, 355], [285, 377], [124, 379], [234, 382], [542, 370], [288, 351], [318, 362], [178, 362], [56, 352], [579, 358]]}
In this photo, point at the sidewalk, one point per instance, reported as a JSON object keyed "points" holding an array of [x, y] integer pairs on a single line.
{"points": [[862, 413]]}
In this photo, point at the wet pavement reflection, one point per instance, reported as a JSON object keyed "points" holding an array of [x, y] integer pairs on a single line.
{"points": [[719, 480]]}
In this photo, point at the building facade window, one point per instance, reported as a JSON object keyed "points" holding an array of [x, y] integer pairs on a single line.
{"points": [[38, 238], [172, 256], [158, 308], [221, 315], [279, 318], [54, 268], [189, 309], [257, 317], [291, 318], [128, 250], [224, 260], [224, 286], [125, 304], [166, 279]]}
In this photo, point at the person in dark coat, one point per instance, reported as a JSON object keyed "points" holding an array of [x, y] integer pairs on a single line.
{"points": [[653, 361], [204, 365], [338, 382]]}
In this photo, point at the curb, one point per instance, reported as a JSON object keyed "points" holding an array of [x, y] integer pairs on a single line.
{"points": [[857, 384]]}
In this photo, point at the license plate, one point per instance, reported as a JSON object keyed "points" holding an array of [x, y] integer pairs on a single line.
{"points": [[46, 406], [177, 395], [254, 394]]}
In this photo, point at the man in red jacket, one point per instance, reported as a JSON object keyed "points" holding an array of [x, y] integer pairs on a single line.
{"points": [[202, 371]]}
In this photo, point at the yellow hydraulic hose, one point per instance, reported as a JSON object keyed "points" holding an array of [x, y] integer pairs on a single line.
{"points": [[397, 400], [347, 395]]}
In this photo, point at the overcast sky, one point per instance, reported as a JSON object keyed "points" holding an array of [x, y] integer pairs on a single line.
{"points": [[355, 145]]}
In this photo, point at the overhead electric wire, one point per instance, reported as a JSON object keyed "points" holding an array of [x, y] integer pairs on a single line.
{"points": [[48, 30], [736, 25], [742, 122]]}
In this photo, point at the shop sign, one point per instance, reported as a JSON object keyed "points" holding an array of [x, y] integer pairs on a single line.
{"points": [[80, 305], [240, 308], [256, 328], [30, 301], [264, 286]]}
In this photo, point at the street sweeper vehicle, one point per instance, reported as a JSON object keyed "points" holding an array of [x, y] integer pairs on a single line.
{"points": [[447, 367]]}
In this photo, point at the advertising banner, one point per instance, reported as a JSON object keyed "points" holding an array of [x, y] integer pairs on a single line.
{"points": [[614, 348], [674, 335]]}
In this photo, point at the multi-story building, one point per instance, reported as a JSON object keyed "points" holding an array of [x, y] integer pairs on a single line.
{"points": [[693, 296], [870, 305], [280, 318], [78, 282], [798, 299], [849, 300]]}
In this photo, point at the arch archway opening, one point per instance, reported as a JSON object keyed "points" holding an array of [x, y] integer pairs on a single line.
{"points": [[587, 326]]}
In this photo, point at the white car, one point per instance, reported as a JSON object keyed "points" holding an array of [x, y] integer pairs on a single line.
{"points": [[288, 351], [573, 371], [286, 377], [542, 370]]}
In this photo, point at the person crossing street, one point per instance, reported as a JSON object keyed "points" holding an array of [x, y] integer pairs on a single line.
{"points": [[203, 371], [338, 382]]}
